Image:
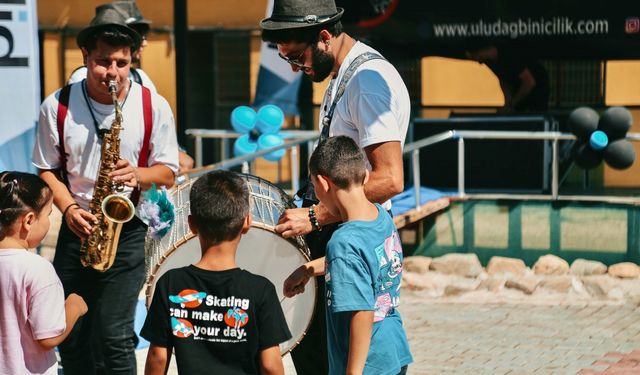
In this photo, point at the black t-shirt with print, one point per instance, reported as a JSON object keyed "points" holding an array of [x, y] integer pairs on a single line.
{"points": [[216, 321]]}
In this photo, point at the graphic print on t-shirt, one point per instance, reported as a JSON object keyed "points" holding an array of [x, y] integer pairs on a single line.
{"points": [[202, 316], [390, 259]]}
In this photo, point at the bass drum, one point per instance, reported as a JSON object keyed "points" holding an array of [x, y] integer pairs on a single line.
{"points": [[261, 251]]}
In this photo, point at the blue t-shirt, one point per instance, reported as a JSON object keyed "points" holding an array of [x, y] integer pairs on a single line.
{"points": [[363, 273]]}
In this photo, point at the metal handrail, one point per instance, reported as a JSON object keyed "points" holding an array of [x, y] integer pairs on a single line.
{"points": [[460, 135], [224, 135], [293, 139]]}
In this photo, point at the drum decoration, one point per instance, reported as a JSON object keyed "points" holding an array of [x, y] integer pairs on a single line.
{"points": [[601, 138], [260, 251], [260, 130], [157, 211]]}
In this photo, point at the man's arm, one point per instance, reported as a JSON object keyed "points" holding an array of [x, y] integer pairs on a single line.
{"points": [[77, 219], [386, 179], [527, 83], [359, 341], [271, 361], [158, 359]]}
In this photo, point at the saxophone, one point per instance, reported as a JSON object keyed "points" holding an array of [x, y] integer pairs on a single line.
{"points": [[110, 209]]}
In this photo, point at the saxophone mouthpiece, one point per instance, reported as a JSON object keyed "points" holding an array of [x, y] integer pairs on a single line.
{"points": [[113, 86]]}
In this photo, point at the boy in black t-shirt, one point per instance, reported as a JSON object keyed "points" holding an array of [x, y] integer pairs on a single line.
{"points": [[218, 318]]}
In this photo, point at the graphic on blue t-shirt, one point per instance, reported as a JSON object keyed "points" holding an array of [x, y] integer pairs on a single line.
{"points": [[188, 298], [181, 327], [389, 256]]}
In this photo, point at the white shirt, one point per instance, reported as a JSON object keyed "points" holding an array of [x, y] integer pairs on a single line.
{"points": [[375, 106], [81, 73], [81, 141]]}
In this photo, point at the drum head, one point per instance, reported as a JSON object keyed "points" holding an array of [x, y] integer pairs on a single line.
{"points": [[263, 253]]}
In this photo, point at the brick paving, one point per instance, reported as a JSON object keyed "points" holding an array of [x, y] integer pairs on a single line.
{"points": [[457, 337], [462, 338]]}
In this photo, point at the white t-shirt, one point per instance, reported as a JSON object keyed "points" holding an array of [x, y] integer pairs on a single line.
{"points": [[81, 73], [375, 106], [31, 309], [81, 141]]}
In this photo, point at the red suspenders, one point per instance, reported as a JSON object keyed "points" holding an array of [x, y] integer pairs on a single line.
{"points": [[63, 106]]}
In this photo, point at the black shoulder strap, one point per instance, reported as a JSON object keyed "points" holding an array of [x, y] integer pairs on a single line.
{"points": [[136, 76], [361, 59]]}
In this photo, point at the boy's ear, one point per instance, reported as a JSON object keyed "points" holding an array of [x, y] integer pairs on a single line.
{"points": [[247, 224], [324, 182], [192, 225], [366, 177]]}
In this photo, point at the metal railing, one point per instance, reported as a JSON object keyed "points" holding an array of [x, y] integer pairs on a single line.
{"points": [[293, 140], [460, 135]]}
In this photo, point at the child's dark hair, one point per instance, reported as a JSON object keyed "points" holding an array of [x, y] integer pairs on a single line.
{"points": [[340, 159], [20, 193], [304, 34], [112, 36], [219, 204]]}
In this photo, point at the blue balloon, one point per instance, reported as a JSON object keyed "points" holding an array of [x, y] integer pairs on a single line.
{"points": [[271, 140], [243, 119], [244, 145], [270, 119], [598, 140]]}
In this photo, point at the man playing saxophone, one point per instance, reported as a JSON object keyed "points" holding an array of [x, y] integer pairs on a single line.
{"points": [[75, 124]]}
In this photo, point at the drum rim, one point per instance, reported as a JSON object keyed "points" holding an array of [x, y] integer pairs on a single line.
{"points": [[188, 237]]}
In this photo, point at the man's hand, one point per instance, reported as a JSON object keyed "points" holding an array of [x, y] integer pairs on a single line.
{"points": [[78, 220], [185, 162], [294, 284], [294, 222], [125, 173]]}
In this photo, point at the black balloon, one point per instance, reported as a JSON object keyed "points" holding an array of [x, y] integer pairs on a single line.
{"points": [[616, 122], [583, 121], [620, 154], [585, 157]]}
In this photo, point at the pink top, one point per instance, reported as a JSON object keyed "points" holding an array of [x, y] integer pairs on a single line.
{"points": [[31, 308]]}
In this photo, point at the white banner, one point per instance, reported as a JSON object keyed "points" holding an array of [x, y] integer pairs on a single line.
{"points": [[20, 77]]}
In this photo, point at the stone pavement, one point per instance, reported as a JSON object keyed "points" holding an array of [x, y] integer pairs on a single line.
{"points": [[531, 336], [454, 337]]}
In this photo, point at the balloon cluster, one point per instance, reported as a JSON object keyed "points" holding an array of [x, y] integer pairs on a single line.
{"points": [[602, 137], [259, 130]]}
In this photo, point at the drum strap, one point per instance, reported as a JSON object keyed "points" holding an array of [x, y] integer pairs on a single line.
{"points": [[310, 194], [63, 107]]}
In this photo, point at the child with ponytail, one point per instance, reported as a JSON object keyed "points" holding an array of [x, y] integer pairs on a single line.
{"points": [[34, 316]]}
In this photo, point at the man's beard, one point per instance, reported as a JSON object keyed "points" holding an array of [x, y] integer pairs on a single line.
{"points": [[322, 64]]}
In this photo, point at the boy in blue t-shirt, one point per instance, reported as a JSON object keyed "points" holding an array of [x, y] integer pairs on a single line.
{"points": [[362, 268]]}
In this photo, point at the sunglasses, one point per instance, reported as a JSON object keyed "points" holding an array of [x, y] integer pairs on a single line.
{"points": [[296, 60]]}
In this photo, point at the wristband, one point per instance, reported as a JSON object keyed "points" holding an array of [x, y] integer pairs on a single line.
{"points": [[64, 213], [313, 219]]}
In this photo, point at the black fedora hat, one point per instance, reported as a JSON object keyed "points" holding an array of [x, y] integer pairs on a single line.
{"points": [[108, 17], [134, 16], [294, 14]]}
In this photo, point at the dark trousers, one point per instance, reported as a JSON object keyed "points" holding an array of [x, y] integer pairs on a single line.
{"points": [[102, 341], [310, 356]]}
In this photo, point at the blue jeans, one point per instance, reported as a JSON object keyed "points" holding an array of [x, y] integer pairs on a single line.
{"points": [[102, 341]]}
